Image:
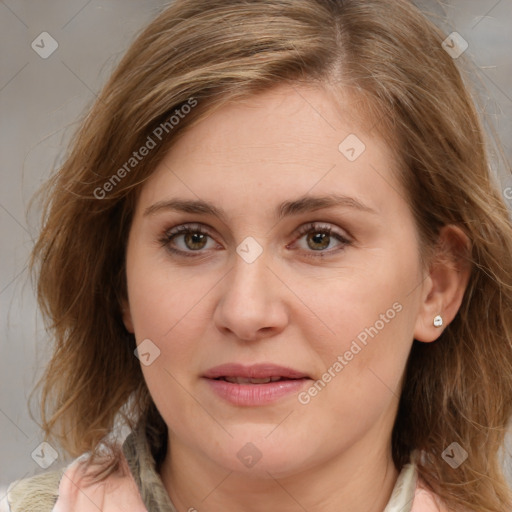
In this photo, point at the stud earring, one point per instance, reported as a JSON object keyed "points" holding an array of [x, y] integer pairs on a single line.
{"points": [[438, 321]]}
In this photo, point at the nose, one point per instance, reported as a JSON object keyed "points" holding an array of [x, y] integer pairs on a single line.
{"points": [[252, 303]]}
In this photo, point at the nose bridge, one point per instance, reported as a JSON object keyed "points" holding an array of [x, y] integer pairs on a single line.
{"points": [[249, 279], [250, 304]]}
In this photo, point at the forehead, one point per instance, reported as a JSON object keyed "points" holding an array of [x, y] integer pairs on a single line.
{"points": [[288, 141]]}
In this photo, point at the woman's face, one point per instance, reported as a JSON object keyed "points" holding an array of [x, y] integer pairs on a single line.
{"points": [[275, 241]]}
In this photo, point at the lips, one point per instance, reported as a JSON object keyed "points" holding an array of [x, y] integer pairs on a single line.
{"points": [[254, 374], [254, 386], [243, 380]]}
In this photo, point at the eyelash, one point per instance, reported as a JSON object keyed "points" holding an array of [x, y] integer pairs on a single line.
{"points": [[169, 235]]}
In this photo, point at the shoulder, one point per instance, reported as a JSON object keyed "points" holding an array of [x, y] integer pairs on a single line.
{"points": [[35, 494], [426, 501], [117, 492], [411, 494], [72, 488]]}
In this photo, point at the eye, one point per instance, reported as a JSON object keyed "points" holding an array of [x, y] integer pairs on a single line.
{"points": [[193, 240], [188, 238], [320, 237]]}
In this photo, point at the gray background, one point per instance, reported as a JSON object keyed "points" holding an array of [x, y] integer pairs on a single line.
{"points": [[41, 101]]}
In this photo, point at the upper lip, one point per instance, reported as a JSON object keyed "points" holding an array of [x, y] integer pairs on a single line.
{"points": [[255, 371]]}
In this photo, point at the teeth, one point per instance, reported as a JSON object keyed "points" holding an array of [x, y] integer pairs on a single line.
{"points": [[243, 380]]}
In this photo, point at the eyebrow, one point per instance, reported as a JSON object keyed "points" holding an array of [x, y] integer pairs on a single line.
{"points": [[303, 204]]}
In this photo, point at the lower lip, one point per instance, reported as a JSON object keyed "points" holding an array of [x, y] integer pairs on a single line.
{"points": [[255, 394]]}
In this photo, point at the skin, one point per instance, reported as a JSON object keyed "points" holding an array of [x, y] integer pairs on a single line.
{"points": [[293, 306]]}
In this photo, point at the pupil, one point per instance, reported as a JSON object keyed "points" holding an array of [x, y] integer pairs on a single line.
{"points": [[321, 239], [194, 239]]}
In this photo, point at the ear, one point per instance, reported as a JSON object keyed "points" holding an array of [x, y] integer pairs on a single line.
{"points": [[127, 316], [444, 288]]}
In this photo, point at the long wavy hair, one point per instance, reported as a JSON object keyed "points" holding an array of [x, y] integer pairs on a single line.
{"points": [[204, 54]]}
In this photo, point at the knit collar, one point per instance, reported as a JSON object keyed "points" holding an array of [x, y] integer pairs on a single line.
{"points": [[154, 495], [142, 465]]}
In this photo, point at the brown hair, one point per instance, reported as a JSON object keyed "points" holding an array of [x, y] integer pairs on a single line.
{"points": [[210, 52]]}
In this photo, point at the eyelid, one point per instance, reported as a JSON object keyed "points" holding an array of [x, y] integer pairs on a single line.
{"points": [[300, 231], [344, 237], [189, 227], [323, 226], [186, 227]]}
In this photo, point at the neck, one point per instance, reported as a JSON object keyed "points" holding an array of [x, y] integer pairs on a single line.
{"points": [[358, 480]]}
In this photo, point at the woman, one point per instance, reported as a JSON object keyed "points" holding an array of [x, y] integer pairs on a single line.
{"points": [[276, 252]]}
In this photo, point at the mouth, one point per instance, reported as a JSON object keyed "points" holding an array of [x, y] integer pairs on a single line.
{"points": [[255, 385], [244, 380], [262, 373]]}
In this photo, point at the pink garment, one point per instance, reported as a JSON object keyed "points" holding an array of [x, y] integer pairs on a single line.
{"points": [[119, 493], [424, 502]]}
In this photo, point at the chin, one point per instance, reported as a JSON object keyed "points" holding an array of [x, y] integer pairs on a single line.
{"points": [[263, 459]]}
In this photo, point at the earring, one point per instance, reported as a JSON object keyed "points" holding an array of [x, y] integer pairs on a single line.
{"points": [[438, 321]]}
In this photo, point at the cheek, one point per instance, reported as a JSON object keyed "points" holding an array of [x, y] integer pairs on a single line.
{"points": [[365, 300], [363, 361], [167, 310], [161, 300], [369, 347], [369, 312]]}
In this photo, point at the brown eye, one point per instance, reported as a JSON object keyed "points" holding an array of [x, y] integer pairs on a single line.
{"points": [[322, 239], [318, 241], [188, 240], [195, 241]]}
